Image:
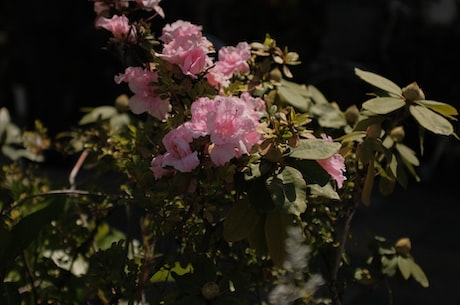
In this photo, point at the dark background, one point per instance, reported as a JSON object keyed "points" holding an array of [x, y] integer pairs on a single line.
{"points": [[52, 64]]}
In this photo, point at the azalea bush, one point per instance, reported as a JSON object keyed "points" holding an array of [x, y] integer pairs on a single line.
{"points": [[215, 179]]}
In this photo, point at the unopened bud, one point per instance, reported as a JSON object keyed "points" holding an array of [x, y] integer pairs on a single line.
{"points": [[397, 134], [412, 92], [403, 246], [210, 290], [373, 131], [352, 115], [276, 75]]}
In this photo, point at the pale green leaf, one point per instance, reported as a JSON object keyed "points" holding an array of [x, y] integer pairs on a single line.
{"points": [[407, 154], [383, 105], [314, 149], [316, 95], [442, 108], [431, 120], [389, 265], [419, 275], [326, 191], [295, 95], [405, 266], [379, 81], [98, 113]]}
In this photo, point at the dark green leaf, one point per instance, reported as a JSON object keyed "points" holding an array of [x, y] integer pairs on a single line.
{"points": [[312, 171], [379, 82], [256, 237], [431, 120], [289, 188], [28, 229], [240, 220], [383, 105], [276, 225]]}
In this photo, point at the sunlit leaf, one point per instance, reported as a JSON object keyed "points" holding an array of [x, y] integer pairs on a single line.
{"points": [[295, 95], [405, 266], [326, 191], [442, 108], [383, 105], [407, 154], [379, 81], [419, 275], [316, 95], [431, 120], [389, 265], [98, 113], [314, 149]]}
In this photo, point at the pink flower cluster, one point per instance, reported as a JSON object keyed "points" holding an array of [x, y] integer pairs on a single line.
{"points": [[231, 60], [334, 165], [119, 27], [185, 46], [229, 121], [141, 83]]}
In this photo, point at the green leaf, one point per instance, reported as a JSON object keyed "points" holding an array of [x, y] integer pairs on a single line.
{"points": [[329, 116], [419, 275], [240, 221], [256, 237], [383, 105], [98, 113], [316, 95], [442, 108], [405, 266], [407, 154], [389, 265], [366, 122], [295, 95], [276, 225], [326, 191], [314, 149], [294, 189], [379, 81], [28, 228], [431, 120], [312, 171]]}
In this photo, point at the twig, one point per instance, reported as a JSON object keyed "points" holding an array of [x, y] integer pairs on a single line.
{"points": [[76, 168]]}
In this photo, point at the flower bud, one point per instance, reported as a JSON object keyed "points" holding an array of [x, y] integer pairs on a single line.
{"points": [[397, 134], [373, 131], [276, 75], [352, 115], [403, 246], [210, 290], [412, 92]]}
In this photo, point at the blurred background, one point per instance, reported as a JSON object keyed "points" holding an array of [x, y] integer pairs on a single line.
{"points": [[52, 64]]}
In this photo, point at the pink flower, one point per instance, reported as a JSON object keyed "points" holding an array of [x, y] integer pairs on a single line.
{"points": [[186, 47], [232, 129], [334, 165], [119, 26], [152, 5], [179, 28], [231, 60], [178, 152], [157, 168], [144, 99]]}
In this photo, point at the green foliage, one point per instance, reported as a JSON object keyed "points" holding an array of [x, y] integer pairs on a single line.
{"points": [[215, 234]]}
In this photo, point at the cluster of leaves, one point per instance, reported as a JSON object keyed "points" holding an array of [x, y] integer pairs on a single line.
{"points": [[116, 235]]}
